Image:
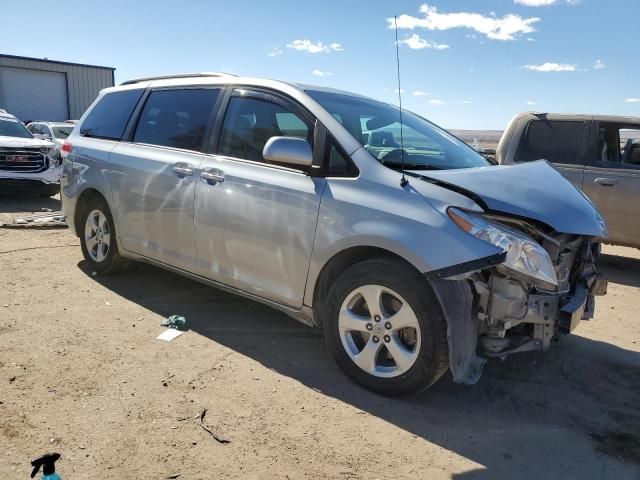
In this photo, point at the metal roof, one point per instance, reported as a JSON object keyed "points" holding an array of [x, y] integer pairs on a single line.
{"points": [[46, 60]]}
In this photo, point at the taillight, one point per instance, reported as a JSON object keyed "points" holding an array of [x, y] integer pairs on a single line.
{"points": [[66, 147]]}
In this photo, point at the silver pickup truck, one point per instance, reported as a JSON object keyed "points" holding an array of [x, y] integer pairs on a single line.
{"points": [[599, 154]]}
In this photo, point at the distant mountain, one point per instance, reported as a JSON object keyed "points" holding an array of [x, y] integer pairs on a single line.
{"points": [[486, 138]]}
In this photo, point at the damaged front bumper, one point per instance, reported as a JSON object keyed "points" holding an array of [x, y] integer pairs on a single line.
{"points": [[492, 314], [48, 176]]}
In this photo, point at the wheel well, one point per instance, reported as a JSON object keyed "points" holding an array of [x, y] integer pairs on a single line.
{"points": [[338, 264], [85, 197]]}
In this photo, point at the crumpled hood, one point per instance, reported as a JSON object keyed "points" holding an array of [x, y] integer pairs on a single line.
{"points": [[529, 190], [17, 142]]}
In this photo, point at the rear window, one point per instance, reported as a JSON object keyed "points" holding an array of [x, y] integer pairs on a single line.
{"points": [[62, 132], [555, 141], [109, 117], [176, 118]]}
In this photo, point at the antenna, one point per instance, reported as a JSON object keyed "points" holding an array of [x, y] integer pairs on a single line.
{"points": [[403, 180]]}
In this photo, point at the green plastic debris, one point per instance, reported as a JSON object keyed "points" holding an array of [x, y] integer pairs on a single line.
{"points": [[175, 321]]}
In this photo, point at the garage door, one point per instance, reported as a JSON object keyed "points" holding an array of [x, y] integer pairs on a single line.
{"points": [[34, 94]]}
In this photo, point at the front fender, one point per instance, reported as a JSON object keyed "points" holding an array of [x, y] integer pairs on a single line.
{"points": [[386, 216]]}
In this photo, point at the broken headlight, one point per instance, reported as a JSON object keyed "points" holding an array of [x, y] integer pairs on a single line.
{"points": [[525, 256], [54, 156]]}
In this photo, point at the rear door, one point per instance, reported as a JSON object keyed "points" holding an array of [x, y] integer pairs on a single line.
{"points": [[612, 181], [561, 142], [154, 174], [255, 224]]}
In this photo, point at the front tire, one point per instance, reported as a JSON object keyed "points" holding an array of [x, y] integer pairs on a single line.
{"points": [[98, 238], [385, 327]]}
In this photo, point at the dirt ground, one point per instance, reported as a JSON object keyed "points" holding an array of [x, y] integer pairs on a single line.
{"points": [[82, 374]]}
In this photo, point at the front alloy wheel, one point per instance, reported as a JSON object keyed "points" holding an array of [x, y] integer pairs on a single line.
{"points": [[385, 327], [379, 331]]}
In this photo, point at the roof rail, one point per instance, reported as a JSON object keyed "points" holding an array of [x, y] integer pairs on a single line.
{"points": [[178, 75]]}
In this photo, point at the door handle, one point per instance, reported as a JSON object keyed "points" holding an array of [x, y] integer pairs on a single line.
{"points": [[606, 182], [183, 169], [212, 176]]}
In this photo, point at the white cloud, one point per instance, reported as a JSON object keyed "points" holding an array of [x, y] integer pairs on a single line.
{"points": [[599, 65], [632, 100], [530, 102], [509, 27], [317, 47], [416, 42], [464, 102], [274, 52], [536, 3], [436, 101], [320, 73], [552, 67], [420, 93]]}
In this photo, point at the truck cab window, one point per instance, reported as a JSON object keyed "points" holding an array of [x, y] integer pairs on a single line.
{"points": [[618, 144], [556, 141]]}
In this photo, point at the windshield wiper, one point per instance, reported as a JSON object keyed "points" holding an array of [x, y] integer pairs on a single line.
{"points": [[410, 166]]}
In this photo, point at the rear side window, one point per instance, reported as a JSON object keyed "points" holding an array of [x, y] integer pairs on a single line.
{"points": [[176, 118], [555, 141], [109, 117]]}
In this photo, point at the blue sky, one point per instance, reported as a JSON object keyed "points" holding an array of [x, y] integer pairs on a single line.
{"points": [[465, 64]]}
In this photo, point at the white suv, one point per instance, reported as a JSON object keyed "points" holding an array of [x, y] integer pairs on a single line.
{"points": [[26, 163]]}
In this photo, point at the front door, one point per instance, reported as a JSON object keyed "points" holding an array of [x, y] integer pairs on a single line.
{"points": [[154, 175], [612, 181], [255, 221]]}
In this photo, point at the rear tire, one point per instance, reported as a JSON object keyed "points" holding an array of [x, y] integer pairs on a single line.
{"points": [[403, 334], [98, 237]]}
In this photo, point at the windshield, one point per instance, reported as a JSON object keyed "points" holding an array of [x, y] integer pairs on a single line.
{"points": [[377, 126], [11, 127], [62, 132]]}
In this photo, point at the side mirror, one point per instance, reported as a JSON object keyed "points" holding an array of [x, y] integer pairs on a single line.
{"points": [[291, 150]]}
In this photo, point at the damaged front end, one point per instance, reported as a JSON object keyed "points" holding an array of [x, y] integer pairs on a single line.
{"points": [[28, 164], [543, 287]]}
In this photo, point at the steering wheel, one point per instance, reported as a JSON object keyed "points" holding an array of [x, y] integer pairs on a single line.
{"points": [[627, 150], [394, 156]]}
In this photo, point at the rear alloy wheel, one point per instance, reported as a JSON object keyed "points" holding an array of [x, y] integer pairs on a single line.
{"points": [[385, 327], [98, 238], [97, 235]]}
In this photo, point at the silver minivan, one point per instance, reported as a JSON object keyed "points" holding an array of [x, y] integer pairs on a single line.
{"points": [[410, 250]]}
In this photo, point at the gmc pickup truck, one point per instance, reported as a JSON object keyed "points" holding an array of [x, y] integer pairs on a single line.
{"points": [[598, 154]]}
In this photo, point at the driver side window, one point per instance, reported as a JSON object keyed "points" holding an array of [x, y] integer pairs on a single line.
{"points": [[618, 146], [250, 122]]}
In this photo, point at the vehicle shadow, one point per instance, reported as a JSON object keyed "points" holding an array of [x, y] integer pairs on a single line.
{"points": [[522, 420], [21, 203], [622, 270]]}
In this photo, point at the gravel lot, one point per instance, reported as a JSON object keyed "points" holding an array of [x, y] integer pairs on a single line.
{"points": [[82, 374]]}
